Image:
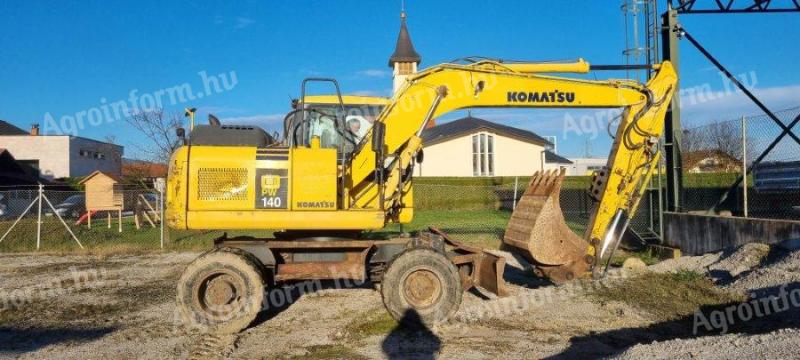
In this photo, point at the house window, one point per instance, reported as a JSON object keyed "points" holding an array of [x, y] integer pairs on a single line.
{"points": [[482, 155]]}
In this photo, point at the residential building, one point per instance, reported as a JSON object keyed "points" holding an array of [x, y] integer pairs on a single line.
{"points": [[585, 166], [141, 170], [476, 147], [12, 172], [7, 128], [60, 156], [710, 161], [553, 161]]}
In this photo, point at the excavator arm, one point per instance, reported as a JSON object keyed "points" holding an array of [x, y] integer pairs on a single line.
{"points": [[379, 175]]}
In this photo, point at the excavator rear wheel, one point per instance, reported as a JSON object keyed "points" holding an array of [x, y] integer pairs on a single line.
{"points": [[221, 291], [421, 287]]}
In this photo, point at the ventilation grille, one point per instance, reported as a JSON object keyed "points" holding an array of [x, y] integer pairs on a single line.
{"points": [[222, 184]]}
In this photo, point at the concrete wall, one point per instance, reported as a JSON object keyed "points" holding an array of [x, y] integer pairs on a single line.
{"points": [[51, 151], [59, 156], [700, 234], [454, 157]]}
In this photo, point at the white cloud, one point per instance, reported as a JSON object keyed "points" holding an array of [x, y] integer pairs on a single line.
{"points": [[243, 22], [732, 105], [376, 73]]}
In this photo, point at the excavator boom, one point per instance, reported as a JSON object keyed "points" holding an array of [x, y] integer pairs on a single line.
{"points": [[537, 228]]}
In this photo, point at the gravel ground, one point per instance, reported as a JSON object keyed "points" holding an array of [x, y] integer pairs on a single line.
{"points": [[123, 307], [760, 271]]}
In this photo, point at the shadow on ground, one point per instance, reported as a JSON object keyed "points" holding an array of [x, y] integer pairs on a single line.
{"points": [[22, 340], [411, 339]]}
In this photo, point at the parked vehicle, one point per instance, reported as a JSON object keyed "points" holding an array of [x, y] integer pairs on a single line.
{"points": [[71, 208], [3, 206]]}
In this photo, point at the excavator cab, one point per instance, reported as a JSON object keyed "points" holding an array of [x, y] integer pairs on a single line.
{"points": [[338, 121]]}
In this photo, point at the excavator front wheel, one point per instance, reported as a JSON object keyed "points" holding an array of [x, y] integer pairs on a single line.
{"points": [[221, 291], [421, 287]]}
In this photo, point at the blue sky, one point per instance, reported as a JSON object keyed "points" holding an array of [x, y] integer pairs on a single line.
{"points": [[61, 58]]}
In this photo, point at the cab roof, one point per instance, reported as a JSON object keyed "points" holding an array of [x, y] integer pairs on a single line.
{"points": [[348, 100]]}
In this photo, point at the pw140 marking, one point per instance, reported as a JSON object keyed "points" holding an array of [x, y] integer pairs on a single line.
{"points": [[272, 188]]}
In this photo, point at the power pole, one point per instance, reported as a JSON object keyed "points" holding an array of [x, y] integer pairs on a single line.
{"points": [[672, 124]]}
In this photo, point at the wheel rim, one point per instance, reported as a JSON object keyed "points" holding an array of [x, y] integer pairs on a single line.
{"points": [[422, 288], [219, 295]]}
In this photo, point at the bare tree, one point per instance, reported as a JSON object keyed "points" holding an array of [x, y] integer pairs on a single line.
{"points": [[723, 136], [726, 137], [158, 126]]}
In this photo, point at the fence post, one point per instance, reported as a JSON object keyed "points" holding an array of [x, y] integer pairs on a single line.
{"points": [[744, 164], [161, 216], [39, 219], [514, 201]]}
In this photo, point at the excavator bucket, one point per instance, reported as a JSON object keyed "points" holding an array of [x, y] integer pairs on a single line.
{"points": [[538, 232]]}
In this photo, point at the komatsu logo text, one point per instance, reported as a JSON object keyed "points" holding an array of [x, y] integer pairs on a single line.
{"points": [[316, 204], [541, 97]]}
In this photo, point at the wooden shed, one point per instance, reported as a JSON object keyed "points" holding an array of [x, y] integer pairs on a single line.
{"points": [[103, 193]]}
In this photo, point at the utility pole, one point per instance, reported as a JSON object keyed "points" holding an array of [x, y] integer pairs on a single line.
{"points": [[672, 125]]}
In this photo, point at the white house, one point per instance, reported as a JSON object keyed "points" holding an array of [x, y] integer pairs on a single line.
{"points": [[585, 166], [553, 161], [59, 156], [477, 147]]}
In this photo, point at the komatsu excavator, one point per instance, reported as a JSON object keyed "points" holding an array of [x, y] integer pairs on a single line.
{"points": [[329, 180]]}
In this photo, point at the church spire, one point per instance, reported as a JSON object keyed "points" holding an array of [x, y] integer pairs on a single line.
{"points": [[404, 51], [405, 59]]}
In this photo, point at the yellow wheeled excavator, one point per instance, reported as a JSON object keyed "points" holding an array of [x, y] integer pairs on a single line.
{"points": [[328, 180]]}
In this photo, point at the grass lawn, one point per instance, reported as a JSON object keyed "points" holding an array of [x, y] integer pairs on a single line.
{"points": [[480, 227]]}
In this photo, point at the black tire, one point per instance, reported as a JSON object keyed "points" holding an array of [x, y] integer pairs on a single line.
{"points": [[221, 291], [436, 300]]}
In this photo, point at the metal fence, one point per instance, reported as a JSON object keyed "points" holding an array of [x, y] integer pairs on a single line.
{"points": [[481, 213], [474, 213], [43, 218], [717, 156]]}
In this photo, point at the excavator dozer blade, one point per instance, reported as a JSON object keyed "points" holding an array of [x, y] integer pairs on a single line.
{"points": [[538, 232]]}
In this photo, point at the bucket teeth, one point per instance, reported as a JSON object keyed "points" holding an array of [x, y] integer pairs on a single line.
{"points": [[538, 232]]}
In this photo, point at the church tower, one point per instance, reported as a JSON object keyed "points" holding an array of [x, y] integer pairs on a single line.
{"points": [[405, 59]]}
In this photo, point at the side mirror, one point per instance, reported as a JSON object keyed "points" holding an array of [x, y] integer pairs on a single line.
{"points": [[378, 136]]}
